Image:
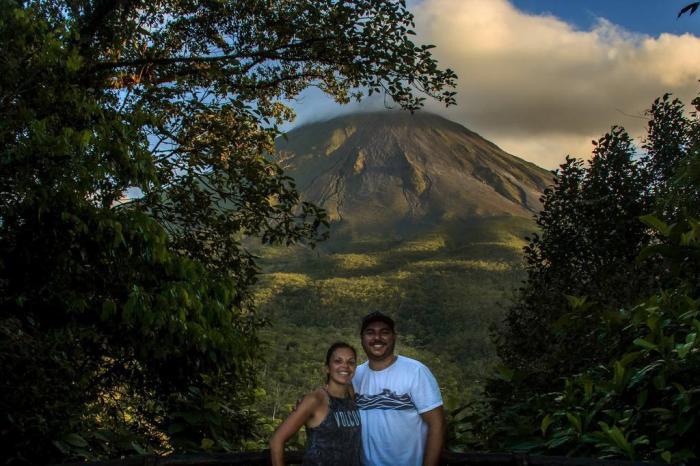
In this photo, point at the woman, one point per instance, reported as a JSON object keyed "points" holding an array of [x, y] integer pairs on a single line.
{"points": [[330, 416]]}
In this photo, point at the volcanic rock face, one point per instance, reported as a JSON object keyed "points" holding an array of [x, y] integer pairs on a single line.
{"points": [[396, 172]]}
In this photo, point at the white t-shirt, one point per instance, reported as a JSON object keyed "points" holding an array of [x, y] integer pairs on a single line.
{"points": [[391, 402]]}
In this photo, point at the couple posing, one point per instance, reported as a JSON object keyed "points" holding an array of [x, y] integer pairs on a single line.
{"points": [[388, 412]]}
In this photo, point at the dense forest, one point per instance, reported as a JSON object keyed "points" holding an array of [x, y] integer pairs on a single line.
{"points": [[133, 138], [133, 142], [599, 352]]}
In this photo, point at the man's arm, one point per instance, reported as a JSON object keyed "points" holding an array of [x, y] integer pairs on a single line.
{"points": [[435, 418]]}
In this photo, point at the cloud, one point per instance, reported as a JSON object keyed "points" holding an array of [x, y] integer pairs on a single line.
{"points": [[314, 105], [540, 88]]}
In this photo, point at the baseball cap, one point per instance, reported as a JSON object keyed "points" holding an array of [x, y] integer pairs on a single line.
{"points": [[376, 316]]}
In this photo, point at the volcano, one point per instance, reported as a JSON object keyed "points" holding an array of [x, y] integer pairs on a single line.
{"points": [[399, 173]]}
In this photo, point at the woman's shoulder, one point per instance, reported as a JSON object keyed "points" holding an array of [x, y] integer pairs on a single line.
{"points": [[316, 397], [311, 401], [317, 406]]}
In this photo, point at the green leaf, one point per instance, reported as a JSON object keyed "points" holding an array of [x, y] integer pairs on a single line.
{"points": [[664, 444], [544, 425], [662, 413], [525, 445], [587, 388], [629, 358], [683, 349], [619, 373], [618, 438], [75, 440], [660, 381], [642, 397], [667, 456], [109, 310], [138, 448], [656, 223], [683, 423], [207, 444], [645, 344], [575, 421], [578, 303], [74, 61], [684, 455], [61, 447], [640, 374], [559, 440], [504, 373], [653, 250]]}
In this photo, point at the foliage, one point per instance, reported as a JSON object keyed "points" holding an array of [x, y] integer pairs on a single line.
{"points": [[127, 322], [590, 237], [690, 8], [618, 373], [445, 288], [643, 404]]}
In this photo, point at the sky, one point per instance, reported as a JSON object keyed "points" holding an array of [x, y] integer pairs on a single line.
{"points": [[543, 78]]}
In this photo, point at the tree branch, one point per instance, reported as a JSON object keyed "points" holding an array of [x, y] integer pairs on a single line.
{"points": [[270, 54], [94, 20]]}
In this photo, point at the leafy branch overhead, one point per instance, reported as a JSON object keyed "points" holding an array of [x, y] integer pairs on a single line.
{"points": [[256, 49], [135, 141], [690, 8]]}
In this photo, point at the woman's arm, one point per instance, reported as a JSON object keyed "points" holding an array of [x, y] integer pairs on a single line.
{"points": [[303, 412]]}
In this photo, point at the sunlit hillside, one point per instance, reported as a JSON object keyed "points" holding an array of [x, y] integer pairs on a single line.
{"points": [[428, 222], [446, 289]]}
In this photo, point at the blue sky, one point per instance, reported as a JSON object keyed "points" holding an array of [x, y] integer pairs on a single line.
{"points": [[542, 78], [645, 16]]}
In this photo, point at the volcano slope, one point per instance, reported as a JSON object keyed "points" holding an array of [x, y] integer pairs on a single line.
{"points": [[428, 221]]}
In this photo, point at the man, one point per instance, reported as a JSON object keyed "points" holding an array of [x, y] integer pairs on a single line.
{"points": [[399, 399]]}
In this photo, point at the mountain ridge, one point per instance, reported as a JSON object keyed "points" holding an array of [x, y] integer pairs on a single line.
{"points": [[396, 172]]}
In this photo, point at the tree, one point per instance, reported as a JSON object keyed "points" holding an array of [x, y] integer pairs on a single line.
{"points": [[600, 349], [590, 235], [134, 138], [669, 139]]}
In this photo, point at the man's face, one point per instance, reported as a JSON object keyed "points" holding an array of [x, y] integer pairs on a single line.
{"points": [[378, 341]]}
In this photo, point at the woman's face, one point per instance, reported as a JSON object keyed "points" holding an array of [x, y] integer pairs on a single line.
{"points": [[341, 366]]}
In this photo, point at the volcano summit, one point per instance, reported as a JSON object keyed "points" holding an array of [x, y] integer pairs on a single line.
{"points": [[393, 172]]}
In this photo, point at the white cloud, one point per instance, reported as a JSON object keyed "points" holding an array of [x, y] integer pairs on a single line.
{"points": [[534, 84], [540, 88]]}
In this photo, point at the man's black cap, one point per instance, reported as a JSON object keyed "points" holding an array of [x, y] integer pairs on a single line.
{"points": [[376, 316]]}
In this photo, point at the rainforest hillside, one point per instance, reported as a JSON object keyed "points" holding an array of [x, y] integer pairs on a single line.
{"points": [[428, 221]]}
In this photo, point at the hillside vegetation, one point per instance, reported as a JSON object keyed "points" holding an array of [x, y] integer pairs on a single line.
{"points": [[446, 289], [427, 223]]}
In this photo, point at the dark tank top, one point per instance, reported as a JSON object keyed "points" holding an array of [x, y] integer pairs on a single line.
{"points": [[337, 439]]}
